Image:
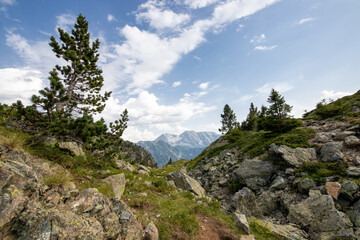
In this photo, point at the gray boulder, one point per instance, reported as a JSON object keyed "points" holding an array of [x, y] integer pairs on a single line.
{"points": [[151, 232], [294, 156], [352, 141], [279, 183], [184, 181], [343, 135], [73, 147], [117, 183], [332, 152], [348, 189], [305, 185], [254, 173], [268, 202], [318, 214], [124, 166], [353, 171], [241, 222], [245, 202]]}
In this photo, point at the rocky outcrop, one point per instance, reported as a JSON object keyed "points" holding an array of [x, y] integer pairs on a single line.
{"points": [[184, 181], [294, 157], [332, 152], [117, 183], [72, 147]]}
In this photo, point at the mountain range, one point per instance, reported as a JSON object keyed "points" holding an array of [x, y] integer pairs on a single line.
{"points": [[187, 145]]}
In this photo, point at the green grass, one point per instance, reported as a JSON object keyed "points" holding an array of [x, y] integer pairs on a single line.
{"points": [[13, 139], [59, 178], [261, 230], [319, 171]]}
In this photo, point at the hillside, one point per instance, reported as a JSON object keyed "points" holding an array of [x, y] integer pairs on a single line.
{"points": [[187, 145]]}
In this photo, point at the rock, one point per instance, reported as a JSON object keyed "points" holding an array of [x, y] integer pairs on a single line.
{"points": [[357, 161], [151, 232], [73, 147], [331, 152], [241, 222], [117, 183], [282, 231], [245, 202], [279, 183], [254, 173], [295, 157], [353, 171], [343, 135], [124, 166], [321, 138], [268, 202], [348, 189], [352, 141], [318, 214], [144, 168], [143, 172], [305, 185], [289, 171], [185, 182], [333, 189]]}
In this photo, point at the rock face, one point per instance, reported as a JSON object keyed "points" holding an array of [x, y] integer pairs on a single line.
{"points": [[254, 173], [294, 157], [31, 210], [117, 183], [331, 152], [184, 181], [319, 215], [73, 147]]}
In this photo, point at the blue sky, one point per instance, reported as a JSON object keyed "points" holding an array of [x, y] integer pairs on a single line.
{"points": [[175, 64]]}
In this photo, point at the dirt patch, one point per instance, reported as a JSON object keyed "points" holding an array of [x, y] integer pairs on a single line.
{"points": [[212, 229]]}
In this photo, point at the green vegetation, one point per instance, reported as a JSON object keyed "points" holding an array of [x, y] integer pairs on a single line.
{"points": [[318, 171], [58, 178], [344, 107], [228, 120], [261, 230]]}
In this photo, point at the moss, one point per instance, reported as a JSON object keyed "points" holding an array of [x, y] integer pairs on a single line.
{"points": [[319, 171], [261, 230]]}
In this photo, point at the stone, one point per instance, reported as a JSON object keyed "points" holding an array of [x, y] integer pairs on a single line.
{"points": [[73, 147], [352, 141], [294, 156], [241, 222], [124, 166], [254, 173], [289, 171], [318, 214], [353, 171], [333, 189], [357, 161], [321, 138], [279, 183], [343, 135], [143, 172], [151, 232], [245, 202], [284, 231], [332, 152], [184, 181], [348, 189], [144, 168], [268, 202], [117, 183], [305, 185]]}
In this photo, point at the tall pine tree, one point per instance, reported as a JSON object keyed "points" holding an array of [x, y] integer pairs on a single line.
{"points": [[228, 120]]}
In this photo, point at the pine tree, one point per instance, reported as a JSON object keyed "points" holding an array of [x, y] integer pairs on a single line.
{"points": [[278, 109], [74, 88], [228, 120], [251, 119]]}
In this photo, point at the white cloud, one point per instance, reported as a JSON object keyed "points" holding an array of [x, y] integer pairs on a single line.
{"points": [[265, 48], [204, 85], [176, 84], [65, 21], [19, 84], [197, 58], [246, 98], [280, 87], [240, 27], [258, 39], [110, 18], [160, 18], [8, 2], [199, 3], [305, 20], [333, 95]]}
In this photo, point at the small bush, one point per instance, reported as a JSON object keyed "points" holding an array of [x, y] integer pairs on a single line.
{"points": [[59, 178]]}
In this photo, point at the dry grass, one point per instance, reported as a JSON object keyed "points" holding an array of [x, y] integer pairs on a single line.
{"points": [[12, 139]]}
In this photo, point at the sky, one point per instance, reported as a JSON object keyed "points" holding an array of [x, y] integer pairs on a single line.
{"points": [[175, 64]]}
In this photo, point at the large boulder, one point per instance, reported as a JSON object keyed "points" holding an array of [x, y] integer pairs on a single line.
{"points": [[241, 222], [254, 173], [184, 181], [117, 183], [124, 166], [305, 185], [352, 141], [318, 214], [294, 156], [151, 232], [353, 171], [244, 201], [348, 189], [332, 152], [73, 147]]}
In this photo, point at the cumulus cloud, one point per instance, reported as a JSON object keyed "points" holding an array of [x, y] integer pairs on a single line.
{"points": [[280, 87], [258, 39], [65, 22], [333, 95], [111, 18], [176, 84], [305, 20], [265, 48], [19, 84], [204, 85], [160, 18], [199, 3]]}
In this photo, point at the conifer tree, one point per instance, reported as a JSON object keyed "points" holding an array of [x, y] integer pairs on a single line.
{"points": [[278, 109], [251, 119], [75, 87], [228, 120]]}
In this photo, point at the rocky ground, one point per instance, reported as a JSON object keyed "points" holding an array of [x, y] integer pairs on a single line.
{"points": [[299, 193]]}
